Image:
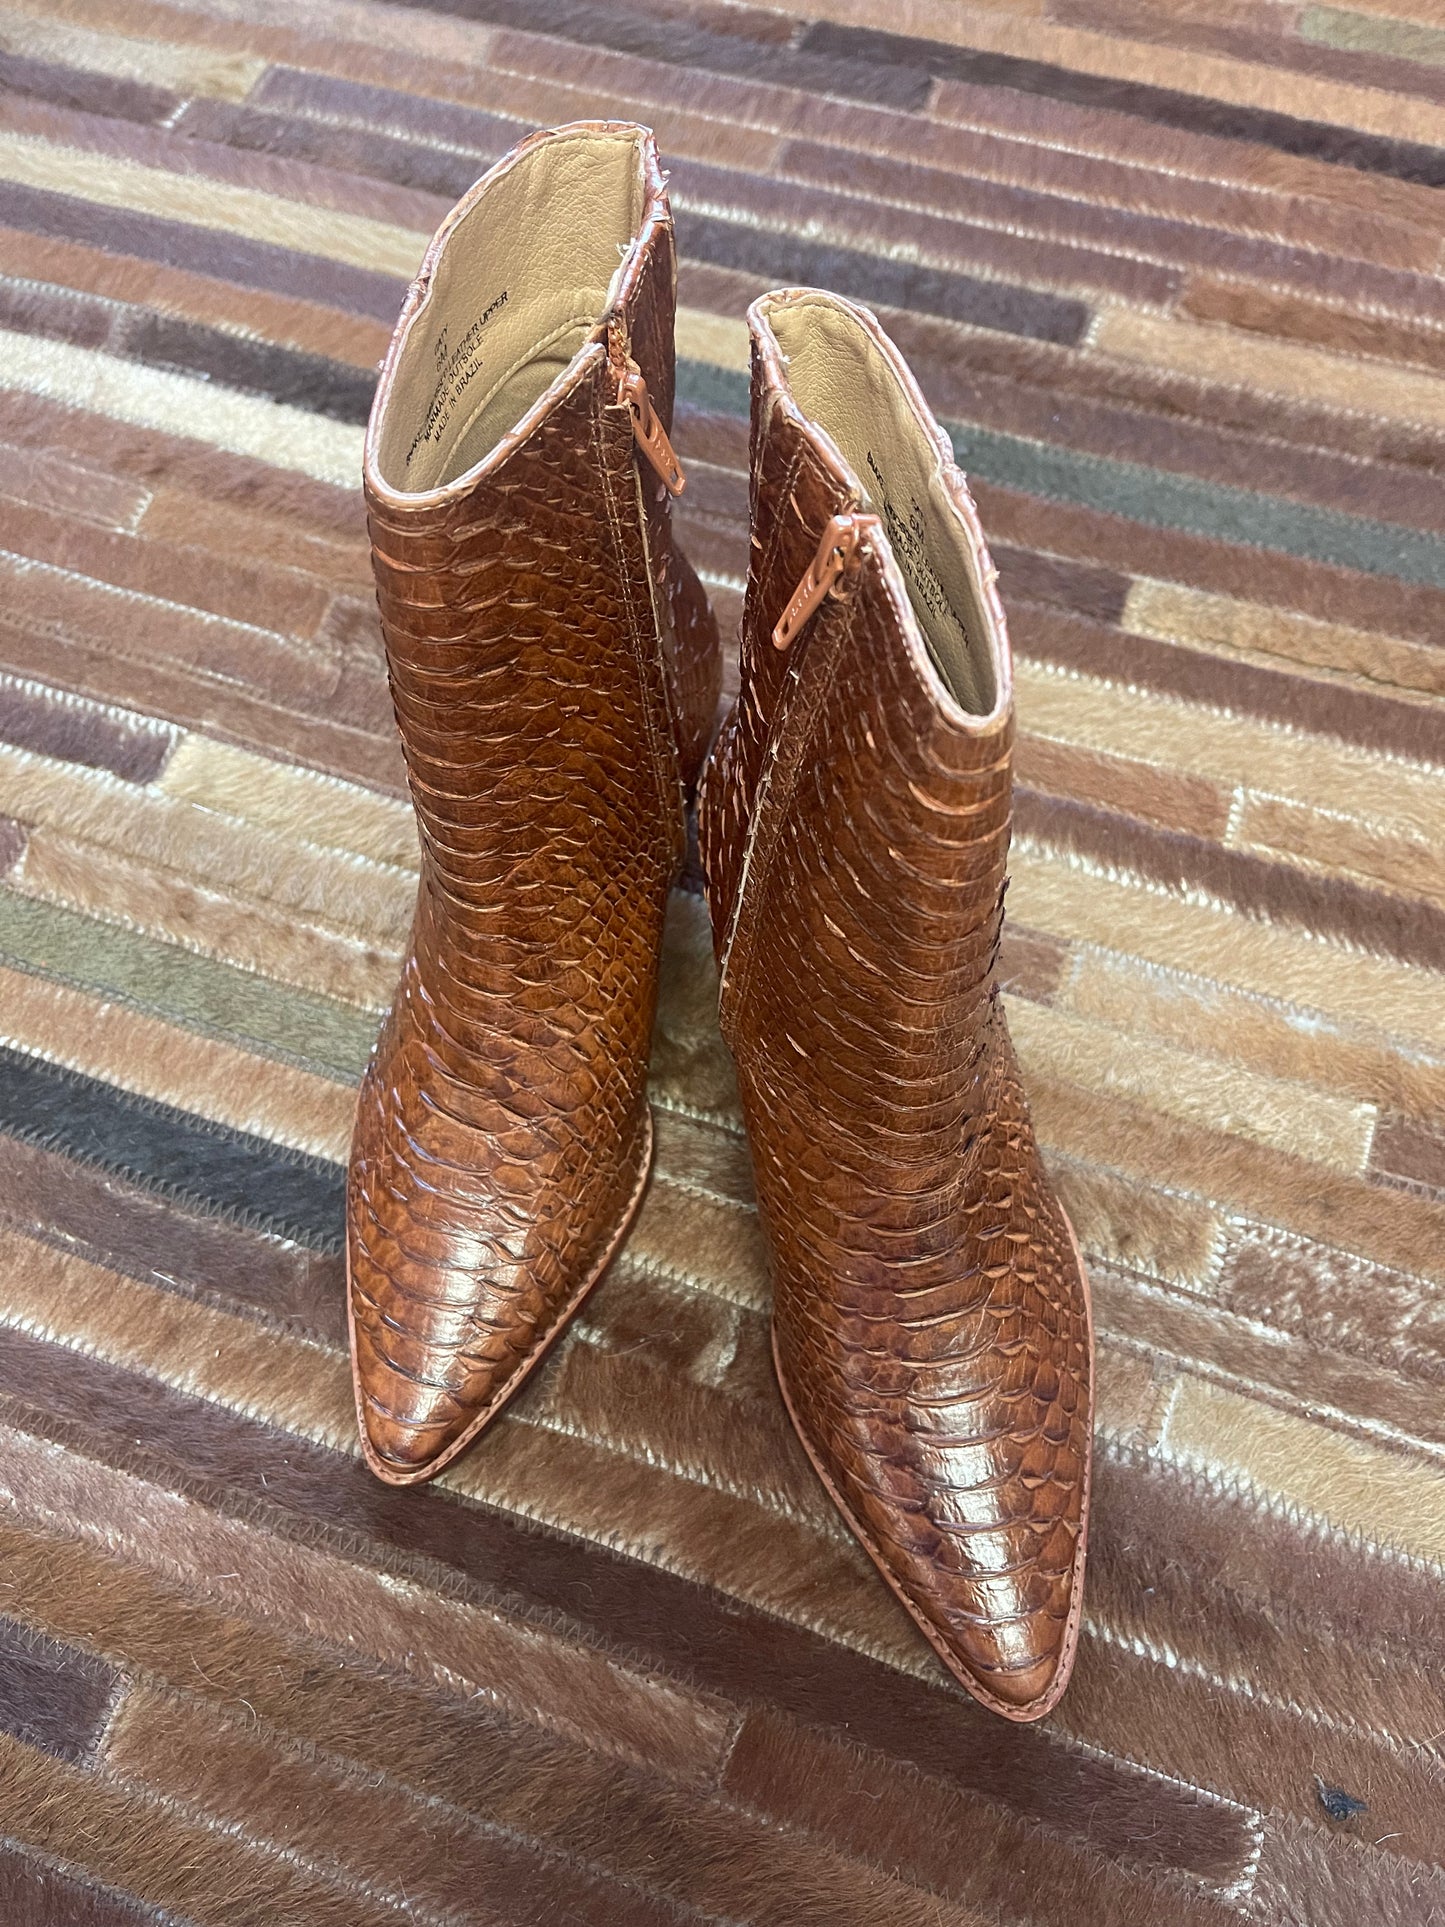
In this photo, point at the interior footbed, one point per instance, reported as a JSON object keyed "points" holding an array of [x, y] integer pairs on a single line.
{"points": [[843, 381], [523, 279]]}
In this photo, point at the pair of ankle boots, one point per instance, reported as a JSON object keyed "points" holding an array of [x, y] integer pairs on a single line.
{"points": [[555, 671]]}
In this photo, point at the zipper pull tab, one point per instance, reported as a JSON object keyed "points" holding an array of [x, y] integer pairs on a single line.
{"points": [[841, 541], [650, 433]]}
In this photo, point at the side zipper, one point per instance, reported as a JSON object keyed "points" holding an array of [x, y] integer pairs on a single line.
{"points": [[842, 539], [649, 431], [840, 552], [652, 442]]}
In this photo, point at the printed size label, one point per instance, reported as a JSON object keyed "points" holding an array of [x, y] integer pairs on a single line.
{"points": [[457, 368], [909, 539]]}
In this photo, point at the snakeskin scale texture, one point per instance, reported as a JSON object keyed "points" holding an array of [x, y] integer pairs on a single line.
{"points": [[553, 702], [931, 1318]]}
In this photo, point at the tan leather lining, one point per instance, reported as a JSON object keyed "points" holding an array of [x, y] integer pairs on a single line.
{"points": [[844, 381], [519, 287]]}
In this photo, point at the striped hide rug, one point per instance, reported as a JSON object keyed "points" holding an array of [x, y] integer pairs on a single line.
{"points": [[1170, 273]]}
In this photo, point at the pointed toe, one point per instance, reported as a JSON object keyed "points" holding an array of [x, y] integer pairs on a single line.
{"points": [[460, 1275], [1015, 1663], [415, 1406], [991, 1571], [405, 1451], [960, 1455], [409, 1431], [1025, 1692], [1005, 1616]]}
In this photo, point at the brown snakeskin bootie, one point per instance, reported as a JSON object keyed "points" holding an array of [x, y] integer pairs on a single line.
{"points": [[554, 667], [931, 1315]]}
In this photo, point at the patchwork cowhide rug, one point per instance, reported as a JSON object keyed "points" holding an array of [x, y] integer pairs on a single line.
{"points": [[1170, 270]]}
